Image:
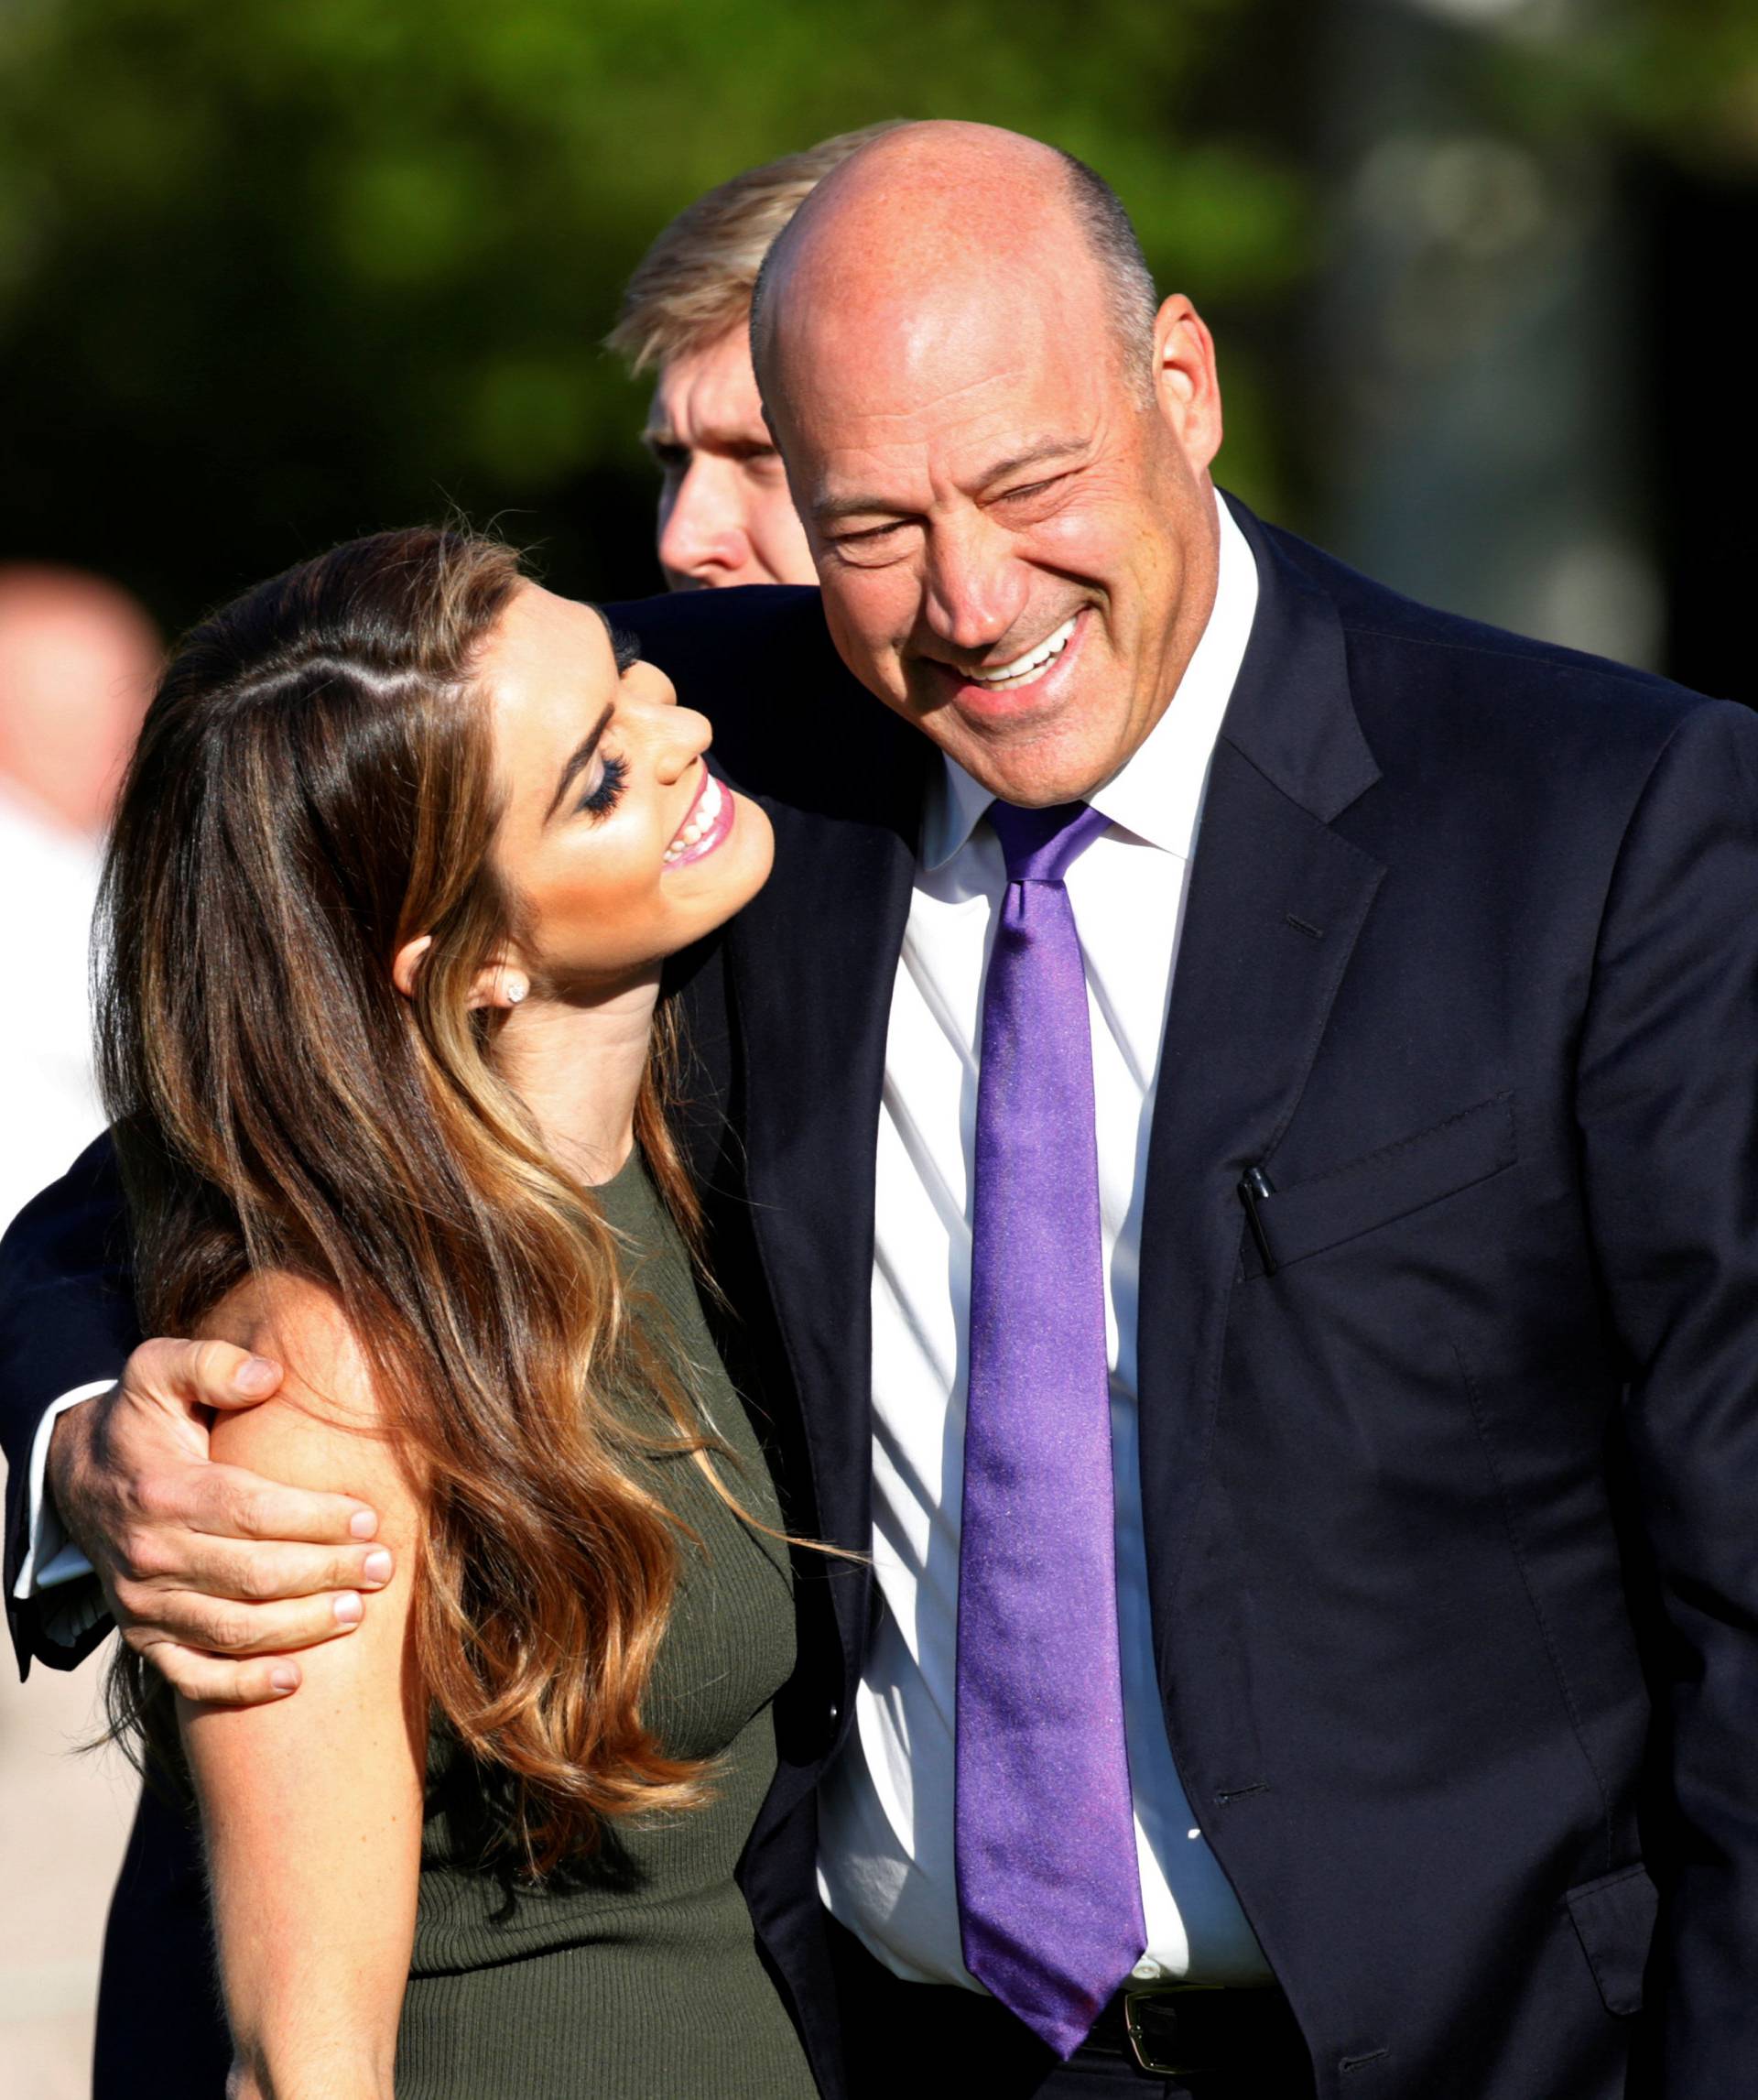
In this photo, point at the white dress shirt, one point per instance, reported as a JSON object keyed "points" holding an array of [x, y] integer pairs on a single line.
{"points": [[885, 1862], [49, 880], [49, 877]]}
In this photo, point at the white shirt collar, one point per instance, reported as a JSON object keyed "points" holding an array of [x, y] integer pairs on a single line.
{"points": [[1157, 793]]}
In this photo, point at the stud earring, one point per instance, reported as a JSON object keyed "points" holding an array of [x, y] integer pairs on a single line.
{"points": [[514, 989]]}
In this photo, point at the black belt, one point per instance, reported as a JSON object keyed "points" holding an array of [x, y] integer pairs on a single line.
{"points": [[1244, 2037], [1192, 2030]]}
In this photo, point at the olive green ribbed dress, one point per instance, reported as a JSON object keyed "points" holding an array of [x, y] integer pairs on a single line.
{"points": [[636, 1977]]}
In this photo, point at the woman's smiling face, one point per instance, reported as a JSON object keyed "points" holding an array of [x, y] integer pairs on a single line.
{"points": [[616, 845]]}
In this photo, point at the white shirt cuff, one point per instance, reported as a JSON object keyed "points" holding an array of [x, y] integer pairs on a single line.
{"points": [[51, 1559]]}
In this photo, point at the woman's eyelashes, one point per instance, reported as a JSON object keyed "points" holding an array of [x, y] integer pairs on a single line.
{"points": [[606, 792]]}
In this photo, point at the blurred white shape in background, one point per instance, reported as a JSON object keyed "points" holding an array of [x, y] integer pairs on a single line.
{"points": [[78, 657], [1480, 337], [1528, 15]]}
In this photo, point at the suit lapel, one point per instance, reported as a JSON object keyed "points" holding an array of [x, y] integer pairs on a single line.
{"points": [[812, 963], [1277, 900]]}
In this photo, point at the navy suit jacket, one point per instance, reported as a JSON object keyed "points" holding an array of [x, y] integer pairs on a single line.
{"points": [[1449, 1443]]}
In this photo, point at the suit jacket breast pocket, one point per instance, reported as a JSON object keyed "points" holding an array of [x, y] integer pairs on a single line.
{"points": [[1614, 1919], [1306, 1217]]}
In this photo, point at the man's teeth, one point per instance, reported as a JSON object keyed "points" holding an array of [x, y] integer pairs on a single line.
{"points": [[702, 820], [1026, 667]]}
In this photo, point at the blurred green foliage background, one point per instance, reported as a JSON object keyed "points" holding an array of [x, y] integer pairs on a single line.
{"points": [[271, 275]]}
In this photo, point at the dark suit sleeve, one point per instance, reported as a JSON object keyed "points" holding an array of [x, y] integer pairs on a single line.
{"points": [[66, 1319], [1668, 1104]]}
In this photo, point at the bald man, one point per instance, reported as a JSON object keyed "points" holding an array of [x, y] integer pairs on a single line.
{"points": [[1232, 1132]]}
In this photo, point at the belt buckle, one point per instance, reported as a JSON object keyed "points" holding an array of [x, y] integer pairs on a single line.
{"points": [[1142, 2045]]}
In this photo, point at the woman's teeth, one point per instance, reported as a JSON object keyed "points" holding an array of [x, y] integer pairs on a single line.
{"points": [[704, 815], [1023, 669]]}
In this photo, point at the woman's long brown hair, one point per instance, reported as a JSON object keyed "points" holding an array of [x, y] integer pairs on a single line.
{"points": [[312, 788]]}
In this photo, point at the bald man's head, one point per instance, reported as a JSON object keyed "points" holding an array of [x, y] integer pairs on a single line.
{"points": [[1060, 182], [998, 447]]}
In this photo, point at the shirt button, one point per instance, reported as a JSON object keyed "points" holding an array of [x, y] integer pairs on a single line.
{"points": [[1148, 1970]]}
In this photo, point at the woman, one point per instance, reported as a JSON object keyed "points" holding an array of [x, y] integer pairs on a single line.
{"points": [[403, 848]]}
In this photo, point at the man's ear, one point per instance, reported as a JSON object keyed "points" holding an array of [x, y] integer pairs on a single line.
{"points": [[1186, 387], [408, 956]]}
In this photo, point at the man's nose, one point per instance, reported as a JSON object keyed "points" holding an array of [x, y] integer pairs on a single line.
{"points": [[702, 531], [974, 585]]}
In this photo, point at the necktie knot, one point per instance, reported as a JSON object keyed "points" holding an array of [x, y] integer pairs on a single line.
{"points": [[1042, 846]]}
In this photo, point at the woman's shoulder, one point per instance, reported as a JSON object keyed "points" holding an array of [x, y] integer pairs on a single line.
{"points": [[301, 1325], [325, 1420]]}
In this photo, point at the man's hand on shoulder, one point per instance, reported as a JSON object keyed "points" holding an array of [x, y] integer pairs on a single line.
{"points": [[213, 1574]]}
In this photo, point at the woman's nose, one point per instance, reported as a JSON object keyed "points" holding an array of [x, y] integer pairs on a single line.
{"points": [[681, 737], [645, 684]]}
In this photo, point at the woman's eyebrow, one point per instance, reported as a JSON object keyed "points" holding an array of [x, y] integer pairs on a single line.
{"points": [[582, 759]]}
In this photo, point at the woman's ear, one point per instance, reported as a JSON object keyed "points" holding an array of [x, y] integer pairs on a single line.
{"points": [[499, 985], [403, 967]]}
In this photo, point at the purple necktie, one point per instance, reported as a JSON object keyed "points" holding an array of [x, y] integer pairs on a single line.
{"points": [[1050, 1895]]}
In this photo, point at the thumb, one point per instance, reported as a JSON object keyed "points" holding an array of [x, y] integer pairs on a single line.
{"points": [[184, 1376], [224, 1375]]}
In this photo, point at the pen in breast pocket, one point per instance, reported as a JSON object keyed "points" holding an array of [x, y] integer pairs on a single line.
{"points": [[1255, 1189]]}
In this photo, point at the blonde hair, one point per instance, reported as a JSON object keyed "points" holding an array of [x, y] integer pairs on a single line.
{"points": [[694, 284]]}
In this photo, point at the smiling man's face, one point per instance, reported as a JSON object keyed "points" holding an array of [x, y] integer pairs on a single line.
{"points": [[1010, 511]]}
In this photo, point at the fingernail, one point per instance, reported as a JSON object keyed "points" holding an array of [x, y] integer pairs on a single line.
{"points": [[284, 1679], [256, 1375], [349, 1608], [362, 1524], [376, 1566]]}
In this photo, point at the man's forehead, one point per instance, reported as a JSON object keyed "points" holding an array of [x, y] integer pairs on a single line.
{"points": [[944, 367], [969, 425], [709, 397], [960, 369]]}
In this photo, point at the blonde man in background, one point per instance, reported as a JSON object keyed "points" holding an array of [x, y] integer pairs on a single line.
{"points": [[725, 516]]}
